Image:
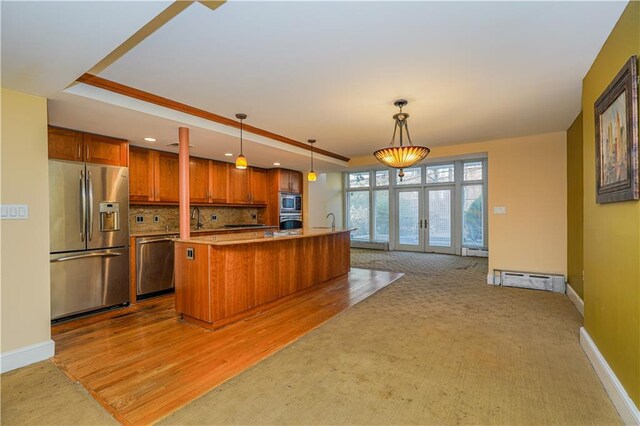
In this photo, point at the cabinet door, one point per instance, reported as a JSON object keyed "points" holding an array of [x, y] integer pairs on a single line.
{"points": [[217, 182], [141, 174], [295, 179], [258, 186], [238, 185], [65, 144], [283, 181], [105, 150], [167, 178], [198, 180]]}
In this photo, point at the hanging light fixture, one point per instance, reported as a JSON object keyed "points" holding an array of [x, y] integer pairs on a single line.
{"points": [[311, 177], [241, 161], [401, 156]]}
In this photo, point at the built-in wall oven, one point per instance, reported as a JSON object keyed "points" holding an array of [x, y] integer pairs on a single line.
{"points": [[290, 221], [290, 203]]}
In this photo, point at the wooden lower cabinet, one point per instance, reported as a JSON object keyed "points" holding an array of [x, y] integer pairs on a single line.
{"points": [[246, 276]]}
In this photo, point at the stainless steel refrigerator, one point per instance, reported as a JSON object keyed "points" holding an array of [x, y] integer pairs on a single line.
{"points": [[89, 229]]}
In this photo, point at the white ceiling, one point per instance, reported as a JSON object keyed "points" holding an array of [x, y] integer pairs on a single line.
{"points": [[325, 70]]}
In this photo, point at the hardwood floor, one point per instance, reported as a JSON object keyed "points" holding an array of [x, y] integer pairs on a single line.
{"points": [[144, 362]]}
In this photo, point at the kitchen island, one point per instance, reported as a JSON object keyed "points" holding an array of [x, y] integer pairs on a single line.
{"points": [[223, 279]]}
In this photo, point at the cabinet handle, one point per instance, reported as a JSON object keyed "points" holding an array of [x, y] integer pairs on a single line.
{"points": [[87, 152], [79, 152]]}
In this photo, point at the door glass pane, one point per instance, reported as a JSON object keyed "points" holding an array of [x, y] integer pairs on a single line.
{"points": [[412, 176], [358, 206], [359, 180], [441, 173], [381, 215], [382, 178], [472, 171], [472, 216], [408, 217], [440, 218]]}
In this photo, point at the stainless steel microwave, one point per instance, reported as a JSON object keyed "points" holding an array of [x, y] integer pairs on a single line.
{"points": [[290, 203]]}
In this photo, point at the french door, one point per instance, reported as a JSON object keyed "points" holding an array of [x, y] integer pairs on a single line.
{"points": [[425, 219]]}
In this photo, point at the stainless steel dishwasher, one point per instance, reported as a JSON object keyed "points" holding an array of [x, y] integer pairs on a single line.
{"points": [[154, 264]]}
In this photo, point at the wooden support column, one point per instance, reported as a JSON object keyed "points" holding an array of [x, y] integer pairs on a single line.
{"points": [[183, 139]]}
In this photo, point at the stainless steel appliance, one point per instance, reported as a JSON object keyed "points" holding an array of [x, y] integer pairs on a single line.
{"points": [[290, 203], [154, 264], [89, 230], [290, 221]]}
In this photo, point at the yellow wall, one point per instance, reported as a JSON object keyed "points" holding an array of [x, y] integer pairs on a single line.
{"points": [[25, 313], [528, 176], [574, 205], [325, 195], [612, 231]]}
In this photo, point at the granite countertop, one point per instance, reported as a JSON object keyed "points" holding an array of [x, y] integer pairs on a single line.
{"points": [[221, 229], [225, 240]]}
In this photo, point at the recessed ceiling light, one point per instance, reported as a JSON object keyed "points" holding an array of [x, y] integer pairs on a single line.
{"points": [[228, 154], [276, 164], [150, 139]]}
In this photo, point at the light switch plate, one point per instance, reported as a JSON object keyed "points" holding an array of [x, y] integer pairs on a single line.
{"points": [[499, 210], [14, 211]]}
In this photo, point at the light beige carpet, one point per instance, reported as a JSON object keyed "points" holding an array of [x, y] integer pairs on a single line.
{"points": [[439, 346]]}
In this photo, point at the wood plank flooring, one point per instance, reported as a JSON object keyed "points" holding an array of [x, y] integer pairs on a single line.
{"points": [[143, 362]]}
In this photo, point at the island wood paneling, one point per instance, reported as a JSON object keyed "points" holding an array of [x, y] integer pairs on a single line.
{"points": [[195, 300], [143, 362], [244, 277]]}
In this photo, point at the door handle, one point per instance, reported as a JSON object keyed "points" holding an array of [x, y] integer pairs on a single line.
{"points": [[83, 206], [90, 179], [86, 255]]}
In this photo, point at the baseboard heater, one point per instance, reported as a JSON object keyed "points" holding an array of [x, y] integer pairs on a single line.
{"points": [[370, 245], [530, 280], [476, 252]]}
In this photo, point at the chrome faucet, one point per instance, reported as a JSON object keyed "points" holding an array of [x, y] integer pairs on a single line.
{"points": [[199, 224], [333, 221]]}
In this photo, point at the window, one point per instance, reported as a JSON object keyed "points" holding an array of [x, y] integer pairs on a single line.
{"points": [[359, 180], [358, 217], [412, 176], [472, 216], [472, 171], [382, 177], [381, 214], [440, 174]]}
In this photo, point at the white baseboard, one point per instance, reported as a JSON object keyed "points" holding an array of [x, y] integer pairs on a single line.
{"points": [[625, 406], [490, 279], [24, 356], [573, 296]]}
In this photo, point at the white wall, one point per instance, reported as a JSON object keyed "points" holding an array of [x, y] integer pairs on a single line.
{"points": [[24, 286], [324, 196]]}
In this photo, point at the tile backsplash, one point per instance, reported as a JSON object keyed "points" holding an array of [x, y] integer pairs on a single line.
{"points": [[169, 217]]}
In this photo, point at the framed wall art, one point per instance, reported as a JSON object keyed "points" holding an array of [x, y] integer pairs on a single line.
{"points": [[616, 120]]}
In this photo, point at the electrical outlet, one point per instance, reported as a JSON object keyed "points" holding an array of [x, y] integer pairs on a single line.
{"points": [[139, 218], [156, 218], [253, 216], [214, 218]]}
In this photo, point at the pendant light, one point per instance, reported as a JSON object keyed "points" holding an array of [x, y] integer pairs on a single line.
{"points": [[401, 156], [311, 177], [241, 161]]}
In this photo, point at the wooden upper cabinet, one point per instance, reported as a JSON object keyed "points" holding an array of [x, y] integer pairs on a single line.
{"points": [[295, 180], [65, 144], [167, 178], [289, 181], [141, 174], [199, 180], [105, 150], [258, 186], [218, 182], [238, 186]]}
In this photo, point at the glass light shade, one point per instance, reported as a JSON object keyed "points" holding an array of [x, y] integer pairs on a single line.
{"points": [[241, 162], [400, 157], [311, 176]]}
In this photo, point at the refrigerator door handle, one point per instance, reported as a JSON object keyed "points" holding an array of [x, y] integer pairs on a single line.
{"points": [[90, 179], [85, 255], [83, 206]]}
